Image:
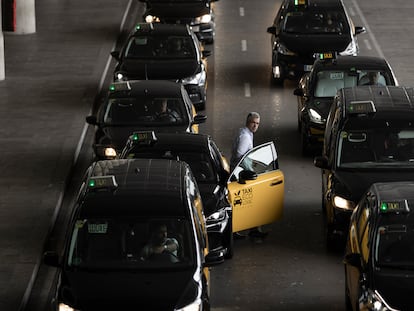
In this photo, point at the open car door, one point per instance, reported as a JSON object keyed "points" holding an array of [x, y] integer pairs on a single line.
{"points": [[256, 188]]}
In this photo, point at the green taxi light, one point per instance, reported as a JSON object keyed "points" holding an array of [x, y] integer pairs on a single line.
{"points": [[143, 137], [120, 86], [138, 27], [394, 207], [384, 207], [102, 182], [357, 107]]}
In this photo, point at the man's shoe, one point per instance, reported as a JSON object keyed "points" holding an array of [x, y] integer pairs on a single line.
{"points": [[238, 236]]}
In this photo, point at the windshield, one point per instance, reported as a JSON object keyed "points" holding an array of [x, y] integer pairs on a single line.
{"points": [[130, 244], [200, 163], [394, 246], [145, 111], [328, 82], [311, 22], [160, 47], [376, 148]]}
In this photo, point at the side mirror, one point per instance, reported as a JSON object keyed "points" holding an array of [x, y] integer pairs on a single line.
{"points": [[298, 92], [115, 54], [91, 120], [353, 259], [51, 258], [321, 162], [206, 53], [214, 258], [272, 30], [359, 29], [199, 118], [246, 175]]}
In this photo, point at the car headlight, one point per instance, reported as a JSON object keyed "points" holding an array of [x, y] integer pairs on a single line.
{"points": [[315, 117], [199, 79], [373, 301], [206, 18], [340, 202], [284, 50], [217, 216], [119, 77], [351, 49], [194, 306], [65, 307], [107, 152], [151, 19]]}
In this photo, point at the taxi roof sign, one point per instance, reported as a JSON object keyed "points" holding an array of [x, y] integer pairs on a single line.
{"points": [[102, 182], [143, 137], [394, 206], [301, 2], [120, 86], [325, 55], [361, 107], [144, 27]]}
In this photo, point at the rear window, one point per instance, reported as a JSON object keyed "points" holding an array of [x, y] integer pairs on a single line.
{"points": [[312, 22]]}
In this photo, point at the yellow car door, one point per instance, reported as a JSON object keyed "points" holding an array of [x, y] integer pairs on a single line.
{"points": [[256, 188]]}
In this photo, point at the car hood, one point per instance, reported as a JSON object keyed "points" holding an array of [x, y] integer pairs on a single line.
{"points": [[135, 290], [309, 44], [136, 69], [212, 200], [353, 183], [118, 135], [177, 10], [322, 105], [396, 287]]}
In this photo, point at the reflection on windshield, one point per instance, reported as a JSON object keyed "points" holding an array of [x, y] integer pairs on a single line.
{"points": [[395, 246], [376, 148], [311, 22], [160, 47], [130, 244], [141, 111]]}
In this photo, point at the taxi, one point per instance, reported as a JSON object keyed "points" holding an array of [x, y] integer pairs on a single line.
{"points": [[317, 88], [135, 105], [252, 195], [137, 231], [369, 138], [158, 51], [302, 28], [379, 256]]}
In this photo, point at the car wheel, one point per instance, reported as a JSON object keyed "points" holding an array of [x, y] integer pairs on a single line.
{"points": [[323, 198], [229, 241]]}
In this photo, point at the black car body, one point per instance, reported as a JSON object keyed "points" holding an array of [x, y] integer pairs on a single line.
{"points": [[156, 51], [305, 27], [131, 106], [119, 202], [199, 14], [209, 167], [369, 138], [379, 257], [318, 87]]}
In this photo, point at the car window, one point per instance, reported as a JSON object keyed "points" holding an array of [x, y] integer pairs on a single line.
{"points": [[160, 47], [120, 243], [142, 110], [311, 22], [376, 148]]}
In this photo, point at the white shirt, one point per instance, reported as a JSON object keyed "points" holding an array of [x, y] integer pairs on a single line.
{"points": [[242, 144]]}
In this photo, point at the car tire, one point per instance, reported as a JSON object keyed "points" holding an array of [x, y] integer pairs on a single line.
{"points": [[229, 241]]}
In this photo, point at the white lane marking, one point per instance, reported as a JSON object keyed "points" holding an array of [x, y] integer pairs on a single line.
{"points": [[367, 44], [369, 32], [241, 10], [243, 45], [247, 92]]}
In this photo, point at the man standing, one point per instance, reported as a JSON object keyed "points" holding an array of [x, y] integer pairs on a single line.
{"points": [[242, 144]]}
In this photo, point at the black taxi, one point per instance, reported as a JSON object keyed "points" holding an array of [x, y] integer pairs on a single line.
{"points": [[137, 105], [317, 88], [369, 138], [379, 256], [137, 233], [302, 28], [251, 195], [157, 51]]}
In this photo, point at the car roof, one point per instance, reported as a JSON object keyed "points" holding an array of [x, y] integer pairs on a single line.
{"points": [[398, 190], [149, 88], [162, 29], [317, 4], [385, 98], [144, 187], [366, 62]]}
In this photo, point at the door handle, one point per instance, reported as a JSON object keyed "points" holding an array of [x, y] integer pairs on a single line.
{"points": [[275, 183]]}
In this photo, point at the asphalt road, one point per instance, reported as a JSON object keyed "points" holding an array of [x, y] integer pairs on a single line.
{"points": [[291, 270]]}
